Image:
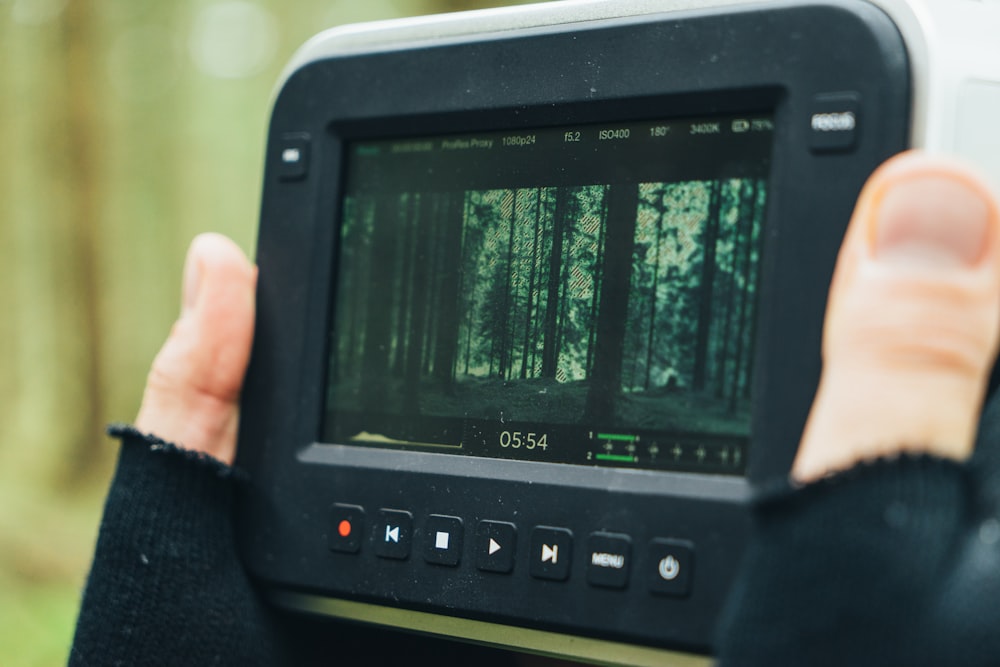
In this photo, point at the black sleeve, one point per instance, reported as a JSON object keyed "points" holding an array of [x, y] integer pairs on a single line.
{"points": [[166, 586], [893, 563]]}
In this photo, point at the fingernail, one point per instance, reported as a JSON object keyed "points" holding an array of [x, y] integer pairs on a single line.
{"points": [[192, 283], [931, 221]]}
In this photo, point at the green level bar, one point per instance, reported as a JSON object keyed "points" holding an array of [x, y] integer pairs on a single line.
{"points": [[616, 436], [614, 457]]}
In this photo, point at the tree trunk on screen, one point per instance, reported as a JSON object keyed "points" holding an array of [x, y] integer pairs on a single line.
{"points": [[446, 347], [550, 352], [605, 380], [709, 239]]}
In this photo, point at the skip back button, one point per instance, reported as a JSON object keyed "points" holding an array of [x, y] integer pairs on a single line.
{"points": [[393, 533]]}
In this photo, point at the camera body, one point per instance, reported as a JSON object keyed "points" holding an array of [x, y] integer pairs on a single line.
{"points": [[541, 294]]}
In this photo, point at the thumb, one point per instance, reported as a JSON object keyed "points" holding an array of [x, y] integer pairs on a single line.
{"points": [[912, 320], [192, 391]]}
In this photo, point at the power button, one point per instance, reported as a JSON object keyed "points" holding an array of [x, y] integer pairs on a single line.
{"points": [[670, 566]]}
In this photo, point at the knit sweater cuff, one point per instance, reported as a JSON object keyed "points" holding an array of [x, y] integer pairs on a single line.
{"points": [[166, 580], [884, 532]]}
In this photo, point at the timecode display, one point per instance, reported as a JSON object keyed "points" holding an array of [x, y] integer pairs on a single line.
{"points": [[526, 439], [551, 443]]}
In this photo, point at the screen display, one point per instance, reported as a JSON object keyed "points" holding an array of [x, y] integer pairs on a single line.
{"points": [[581, 294]]}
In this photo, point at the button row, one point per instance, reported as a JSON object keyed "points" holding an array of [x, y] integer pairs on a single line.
{"points": [[608, 564]]}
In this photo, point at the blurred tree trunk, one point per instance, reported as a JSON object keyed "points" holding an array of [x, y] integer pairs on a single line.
{"points": [[52, 416], [119, 149], [82, 225]]}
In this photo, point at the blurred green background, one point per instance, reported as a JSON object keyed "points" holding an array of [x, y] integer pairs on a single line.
{"points": [[126, 128]]}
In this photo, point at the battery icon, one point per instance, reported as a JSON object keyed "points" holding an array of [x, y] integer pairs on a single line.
{"points": [[741, 125]]}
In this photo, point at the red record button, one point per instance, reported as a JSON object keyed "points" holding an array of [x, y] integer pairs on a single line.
{"points": [[347, 525]]}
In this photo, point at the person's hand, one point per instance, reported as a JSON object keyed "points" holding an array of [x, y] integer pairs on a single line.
{"points": [[192, 392], [912, 320]]}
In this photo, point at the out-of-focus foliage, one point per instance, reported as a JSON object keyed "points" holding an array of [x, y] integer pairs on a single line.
{"points": [[126, 128]]}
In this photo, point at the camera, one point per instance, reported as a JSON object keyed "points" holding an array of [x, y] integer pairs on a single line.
{"points": [[541, 293]]}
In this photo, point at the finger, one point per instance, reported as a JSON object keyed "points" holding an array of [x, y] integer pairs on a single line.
{"points": [[912, 320], [192, 392]]}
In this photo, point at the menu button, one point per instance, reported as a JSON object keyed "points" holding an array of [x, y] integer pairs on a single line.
{"points": [[609, 559]]}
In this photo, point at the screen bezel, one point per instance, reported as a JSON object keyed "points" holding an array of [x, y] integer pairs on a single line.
{"points": [[772, 99]]}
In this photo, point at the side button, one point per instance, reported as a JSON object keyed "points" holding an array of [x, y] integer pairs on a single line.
{"points": [[347, 525], [835, 122], [293, 157], [670, 566]]}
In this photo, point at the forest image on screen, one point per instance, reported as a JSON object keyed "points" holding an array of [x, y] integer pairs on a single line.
{"points": [[612, 323]]}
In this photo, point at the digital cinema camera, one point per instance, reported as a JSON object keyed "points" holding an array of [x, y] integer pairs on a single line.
{"points": [[541, 292]]}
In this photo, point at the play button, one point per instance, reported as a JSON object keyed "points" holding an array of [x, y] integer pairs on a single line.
{"points": [[495, 545]]}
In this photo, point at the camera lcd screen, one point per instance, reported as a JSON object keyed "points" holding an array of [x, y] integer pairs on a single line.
{"points": [[580, 294]]}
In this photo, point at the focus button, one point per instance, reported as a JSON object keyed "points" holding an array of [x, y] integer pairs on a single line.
{"points": [[834, 123], [670, 566]]}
